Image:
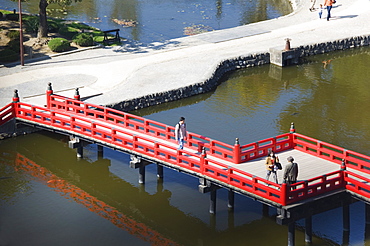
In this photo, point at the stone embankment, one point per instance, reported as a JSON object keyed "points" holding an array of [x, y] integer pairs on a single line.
{"points": [[237, 63], [129, 78]]}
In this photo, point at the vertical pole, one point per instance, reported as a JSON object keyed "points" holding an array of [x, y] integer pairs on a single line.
{"points": [[213, 197], [77, 95], [291, 234], [308, 230], [231, 220], [100, 152], [292, 128], [159, 185], [346, 223], [345, 217], [231, 199], [142, 174], [21, 33], [80, 151], [159, 171], [265, 210], [237, 151], [367, 224], [15, 96], [49, 92]]}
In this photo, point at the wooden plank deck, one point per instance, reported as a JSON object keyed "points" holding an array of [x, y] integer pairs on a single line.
{"points": [[309, 166]]}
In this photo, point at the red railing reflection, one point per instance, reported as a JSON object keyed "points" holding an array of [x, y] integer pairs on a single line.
{"points": [[95, 205]]}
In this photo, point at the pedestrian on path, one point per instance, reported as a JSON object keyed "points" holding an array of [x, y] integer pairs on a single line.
{"points": [[329, 6], [320, 11], [291, 171], [180, 132]]}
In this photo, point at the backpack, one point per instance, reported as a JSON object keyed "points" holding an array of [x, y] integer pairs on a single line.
{"points": [[278, 164], [178, 124], [174, 132]]}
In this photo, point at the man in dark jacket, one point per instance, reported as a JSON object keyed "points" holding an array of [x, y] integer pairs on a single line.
{"points": [[291, 171]]}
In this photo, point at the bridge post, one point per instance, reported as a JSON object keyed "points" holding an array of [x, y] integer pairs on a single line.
{"points": [[231, 219], [100, 151], [367, 222], [75, 143], [292, 128], [77, 95], [308, 230], [231, 199], [213, 198], [15, 96], [265, 210], [237, 151], [207, 186], [142, 174], [159, 171], [49, 92], [291, 234], [137, 162], [346, 223]]}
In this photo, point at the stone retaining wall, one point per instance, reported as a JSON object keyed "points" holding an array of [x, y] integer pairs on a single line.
{"points": [[233, 64]]}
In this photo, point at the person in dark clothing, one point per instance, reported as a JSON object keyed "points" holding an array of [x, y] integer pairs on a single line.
{"points": [[291, 171]]}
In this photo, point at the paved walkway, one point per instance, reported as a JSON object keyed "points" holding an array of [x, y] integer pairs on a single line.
{"points": [[114, 74]]}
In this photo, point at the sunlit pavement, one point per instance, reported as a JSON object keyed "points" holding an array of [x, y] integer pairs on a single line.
{"points": [[114, 74]]}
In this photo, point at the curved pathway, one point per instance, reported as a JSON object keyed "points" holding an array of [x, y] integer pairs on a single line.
{"points": [[115, 74]]}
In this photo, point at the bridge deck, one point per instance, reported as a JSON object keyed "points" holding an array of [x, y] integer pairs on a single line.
{"points": [[309, 166]]}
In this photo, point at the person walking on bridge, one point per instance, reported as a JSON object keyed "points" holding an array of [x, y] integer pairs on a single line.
{"points": [[291, 171], [271, 166], [180, 132], [329, 6]]}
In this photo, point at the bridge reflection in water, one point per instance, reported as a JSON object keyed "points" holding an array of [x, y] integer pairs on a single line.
{"points": [[95, 205]]}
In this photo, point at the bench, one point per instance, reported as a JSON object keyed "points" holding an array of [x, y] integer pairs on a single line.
{"points": [[114, 39]]}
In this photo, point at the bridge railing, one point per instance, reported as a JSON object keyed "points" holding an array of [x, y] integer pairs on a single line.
{"points": [[140, 124], [6, 113], [357, 184], [331, 152], [194, 162], [316, 186], [92, 121], [261, 148]]}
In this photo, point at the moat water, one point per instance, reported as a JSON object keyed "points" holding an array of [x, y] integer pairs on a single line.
{"points": [[49, 197]]}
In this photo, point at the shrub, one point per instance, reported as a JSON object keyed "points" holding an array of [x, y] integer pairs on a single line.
{"points": [[8, 55], [12, 17], [83, 39], [14, 45], [32, 24], [53, 26], [68, 32], [13, 35], [1, 15], [59, 44]]}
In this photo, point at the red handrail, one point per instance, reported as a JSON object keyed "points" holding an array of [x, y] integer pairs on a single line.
{"points": [[7, 113], [136, 133], [331, 152], [357, 184]]}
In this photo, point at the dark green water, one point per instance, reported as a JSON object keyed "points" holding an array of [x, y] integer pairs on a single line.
{"points": [[329, 103]]}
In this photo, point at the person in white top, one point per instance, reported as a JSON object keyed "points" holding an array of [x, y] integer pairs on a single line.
{"points": [[180, 132]]}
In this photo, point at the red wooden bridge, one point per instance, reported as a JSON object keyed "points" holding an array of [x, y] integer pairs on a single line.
{"points": [[235, 167]]}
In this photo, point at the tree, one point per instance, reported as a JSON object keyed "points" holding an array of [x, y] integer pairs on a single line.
{"points": [[43, 4], [43, 24]]}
